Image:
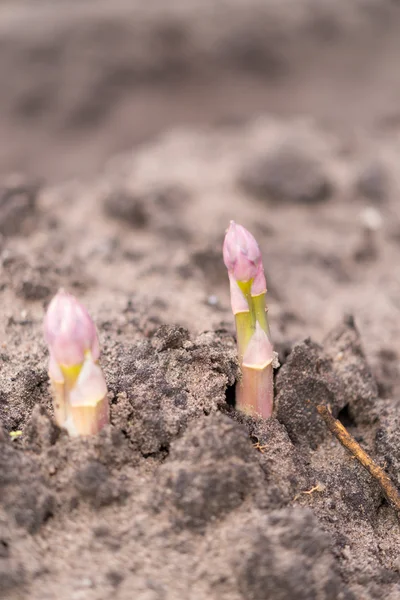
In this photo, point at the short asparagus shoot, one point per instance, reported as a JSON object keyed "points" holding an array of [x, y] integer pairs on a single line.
{"points": [[242, 257], [77, 382]]}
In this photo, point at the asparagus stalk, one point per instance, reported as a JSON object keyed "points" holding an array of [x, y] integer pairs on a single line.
{"points": [[77, 382], [242, 257]]}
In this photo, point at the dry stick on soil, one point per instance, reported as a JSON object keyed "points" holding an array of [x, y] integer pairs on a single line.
{"points": [[344, 437]]}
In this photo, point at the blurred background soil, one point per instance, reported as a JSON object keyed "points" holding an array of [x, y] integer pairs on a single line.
{"points": [[83, 80], [131, 134]]}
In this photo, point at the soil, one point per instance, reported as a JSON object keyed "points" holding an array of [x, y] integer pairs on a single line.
{"points": [[181, 496]]}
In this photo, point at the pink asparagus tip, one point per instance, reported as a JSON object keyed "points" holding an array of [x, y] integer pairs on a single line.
{"points": [[242, 256], [69, 330]]}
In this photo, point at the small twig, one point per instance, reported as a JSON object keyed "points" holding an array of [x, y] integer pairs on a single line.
{"points": [[344, 437], [317, 488], [260, 447]]}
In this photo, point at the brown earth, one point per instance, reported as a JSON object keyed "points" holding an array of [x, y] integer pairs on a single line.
{"points": [[293, 114]]}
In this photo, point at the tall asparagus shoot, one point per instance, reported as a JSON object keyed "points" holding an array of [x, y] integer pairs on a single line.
{"points": [[77, 382], [242, 257]]}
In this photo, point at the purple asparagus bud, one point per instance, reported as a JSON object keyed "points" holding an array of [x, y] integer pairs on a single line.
{"points": [[242, 257], [69, 330], [78, 385]]}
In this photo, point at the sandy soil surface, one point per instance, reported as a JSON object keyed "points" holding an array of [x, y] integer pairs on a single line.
{"points": [[182, 496]]}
